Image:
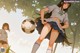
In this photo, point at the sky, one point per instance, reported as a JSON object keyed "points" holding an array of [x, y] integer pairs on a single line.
{"points": [[21, 42]]}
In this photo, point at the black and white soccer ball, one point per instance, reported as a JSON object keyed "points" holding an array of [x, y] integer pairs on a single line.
{"points": [[28, 26]]}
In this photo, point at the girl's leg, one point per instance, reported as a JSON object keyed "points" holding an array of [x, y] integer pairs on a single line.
{"points": [[46, 29], [53, 37], [44, 32]]}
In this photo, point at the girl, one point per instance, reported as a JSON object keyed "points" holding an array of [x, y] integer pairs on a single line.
{"points": [[4, 44], [59, 15]]}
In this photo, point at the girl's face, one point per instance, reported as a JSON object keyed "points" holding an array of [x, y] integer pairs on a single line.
{"points": [[5, 28], [65, 5]]}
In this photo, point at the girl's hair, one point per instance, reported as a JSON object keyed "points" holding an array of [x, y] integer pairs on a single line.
{"points": [[7, 25], [62, 3]]}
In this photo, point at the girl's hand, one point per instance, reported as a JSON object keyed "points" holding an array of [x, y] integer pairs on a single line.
{"points": [[44, 22]]}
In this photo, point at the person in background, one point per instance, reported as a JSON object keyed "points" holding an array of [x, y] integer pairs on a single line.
{"points": [[4, 38]]}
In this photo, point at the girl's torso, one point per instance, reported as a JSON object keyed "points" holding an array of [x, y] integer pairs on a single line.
{"points": [[57, 14]]}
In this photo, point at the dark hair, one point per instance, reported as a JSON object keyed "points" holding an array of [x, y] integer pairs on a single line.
{"points": [[6, 24], [62, 3]]}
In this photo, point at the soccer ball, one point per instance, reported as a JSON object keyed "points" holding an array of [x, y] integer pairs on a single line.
{"points": [[28, 26]]}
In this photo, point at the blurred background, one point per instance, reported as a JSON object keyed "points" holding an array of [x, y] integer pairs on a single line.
{"points": [[15, 12]]}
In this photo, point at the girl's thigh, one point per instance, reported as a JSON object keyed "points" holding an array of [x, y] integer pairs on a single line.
{"points": [[46, 29]]}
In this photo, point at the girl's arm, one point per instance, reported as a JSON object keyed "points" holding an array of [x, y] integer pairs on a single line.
{"points": [[42, 14], [48, 9], [66, 22]]}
